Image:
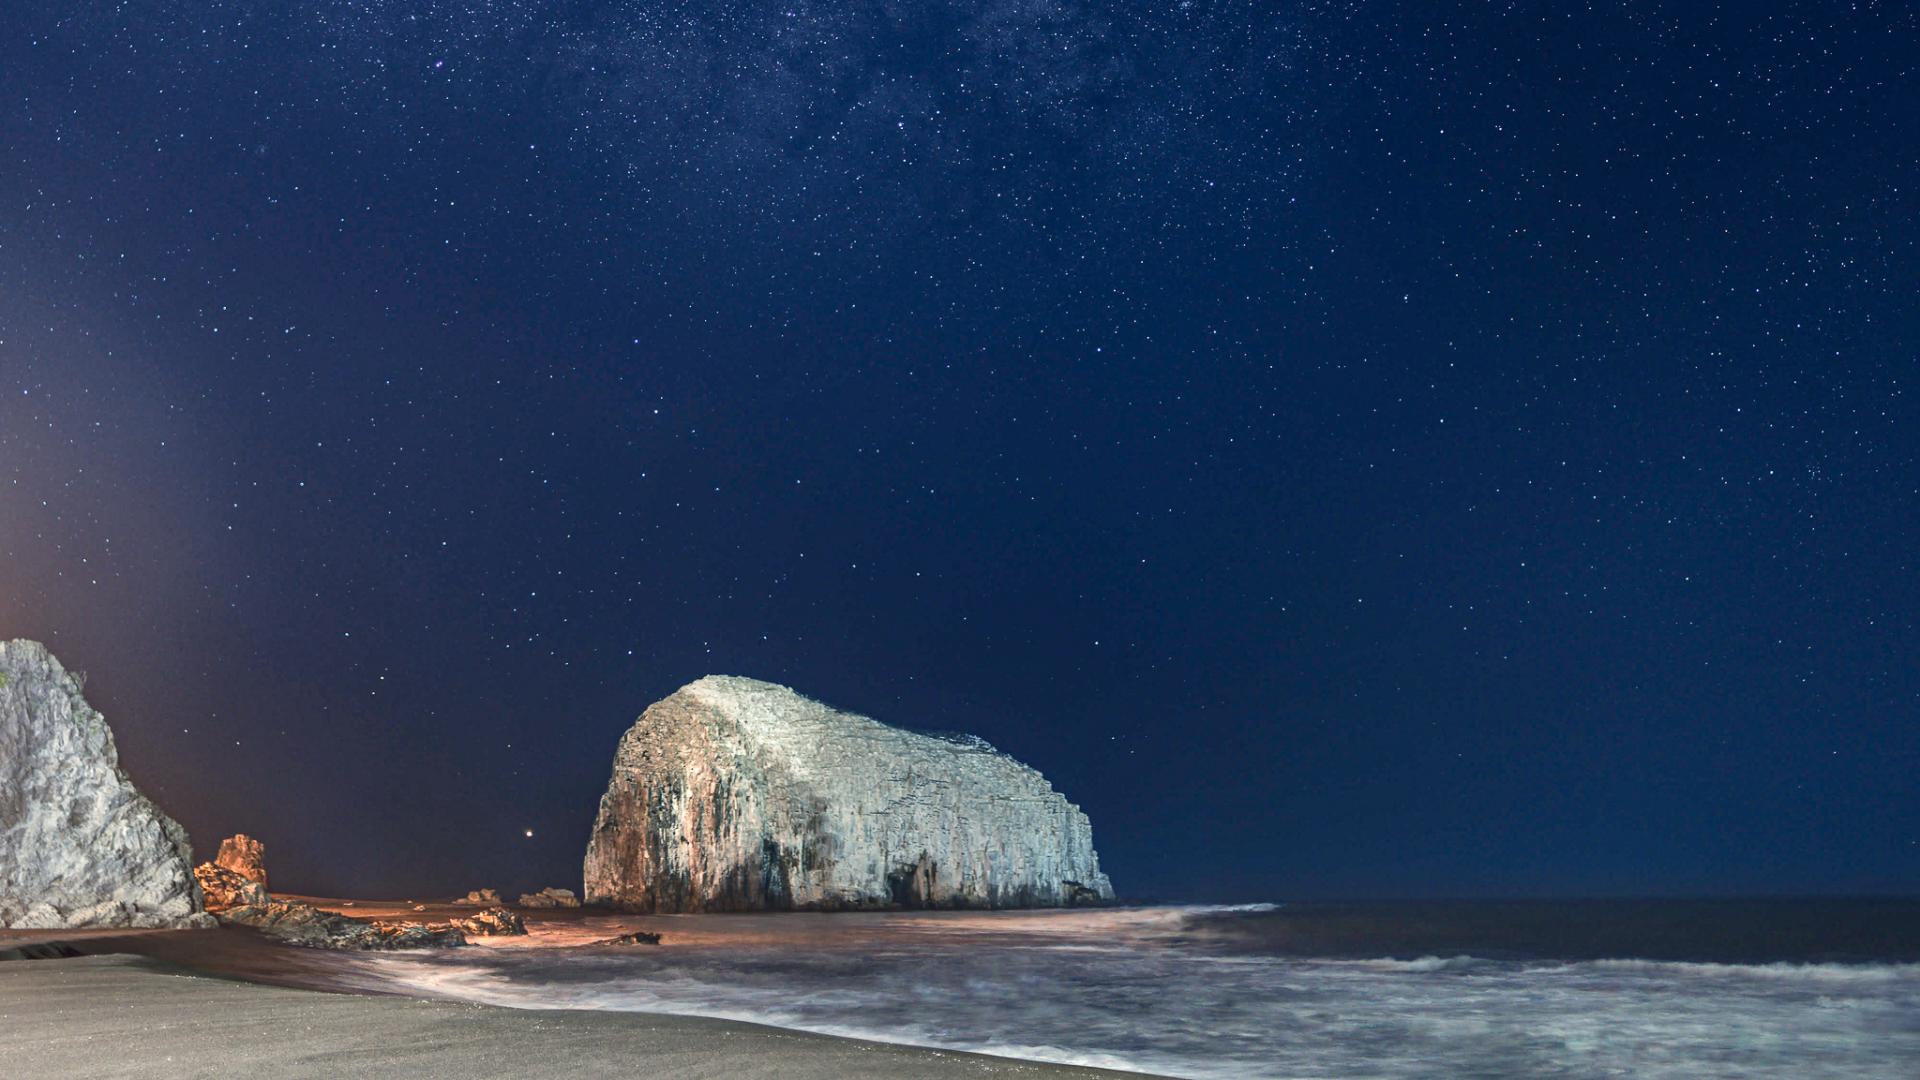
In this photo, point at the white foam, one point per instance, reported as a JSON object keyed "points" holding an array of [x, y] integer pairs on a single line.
{"points": [[1424, 963], [1847, 973]]}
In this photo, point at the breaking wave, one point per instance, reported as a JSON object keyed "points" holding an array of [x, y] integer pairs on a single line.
{"points": [[1148, 989]]}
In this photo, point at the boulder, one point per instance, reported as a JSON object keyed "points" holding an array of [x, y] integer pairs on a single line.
{"points": [[224, 888], [493, 922], [734, 794], [480, 898], [79, 844], [550, 898], [245, 856]]}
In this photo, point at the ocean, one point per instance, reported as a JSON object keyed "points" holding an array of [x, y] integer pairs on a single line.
{"points": [[1788, 988]]}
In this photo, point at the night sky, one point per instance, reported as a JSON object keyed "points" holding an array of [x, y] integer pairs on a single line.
{"points": [[1352, 449]]}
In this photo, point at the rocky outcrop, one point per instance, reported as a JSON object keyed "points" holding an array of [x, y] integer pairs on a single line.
{"points": [[79, 845], [225, 889], [237, 899], [734, 794], [550, 898], [480, 898], [245, 856], [297, 922]]}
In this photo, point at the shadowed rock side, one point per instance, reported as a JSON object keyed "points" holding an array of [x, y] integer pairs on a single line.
{"points": [[734, 794], [79, 845]]}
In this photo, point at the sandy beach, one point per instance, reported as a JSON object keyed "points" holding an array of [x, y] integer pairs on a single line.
{"points": [[129, 1015], [230, 1002]]}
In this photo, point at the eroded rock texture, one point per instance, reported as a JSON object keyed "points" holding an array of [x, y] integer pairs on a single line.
{"points": [[245, 856], [79, 845], [734, 794], [493, 922], [223, 888]]}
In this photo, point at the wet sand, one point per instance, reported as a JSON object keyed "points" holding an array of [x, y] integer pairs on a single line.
{"points": [[123, 1015]]}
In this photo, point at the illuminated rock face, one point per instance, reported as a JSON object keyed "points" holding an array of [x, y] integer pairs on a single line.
{"points": [[225, 889], [79, 845], [734, 795], [245, 856]]}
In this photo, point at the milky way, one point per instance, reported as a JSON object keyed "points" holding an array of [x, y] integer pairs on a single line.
{"points": [[1349, 448]]}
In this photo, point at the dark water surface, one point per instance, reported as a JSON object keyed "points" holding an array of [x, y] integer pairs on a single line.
{"points": [[1865, 930]]}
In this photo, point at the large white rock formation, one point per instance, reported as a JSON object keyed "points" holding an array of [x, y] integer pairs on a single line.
{"points": [[734, 794], [79, 846]]}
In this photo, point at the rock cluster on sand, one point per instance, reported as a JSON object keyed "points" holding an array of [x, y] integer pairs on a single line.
{"points": [[297, 922], [550, 898], [735, 794], [480, 898], [237, 899], [79, 845], [493, 922]]}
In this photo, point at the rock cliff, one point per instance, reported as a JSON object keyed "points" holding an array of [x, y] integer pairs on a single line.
{"points": [[734, 794], [79, 845]]}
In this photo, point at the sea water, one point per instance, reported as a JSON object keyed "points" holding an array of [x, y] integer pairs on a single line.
{"points": [[1642, 989]]}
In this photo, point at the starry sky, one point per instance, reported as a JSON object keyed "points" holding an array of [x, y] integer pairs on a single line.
{"points": [[1353, 449]]}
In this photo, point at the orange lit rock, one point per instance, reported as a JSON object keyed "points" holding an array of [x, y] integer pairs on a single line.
{"points": [[493, 922], [245, 856], [225, 889]]}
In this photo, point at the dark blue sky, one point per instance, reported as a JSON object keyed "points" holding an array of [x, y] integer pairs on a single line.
{"points": [[1351, 449]]}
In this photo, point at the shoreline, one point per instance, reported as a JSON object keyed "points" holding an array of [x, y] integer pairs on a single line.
{"points": [[239, 956], [1212, 992], [137, 1005]]}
